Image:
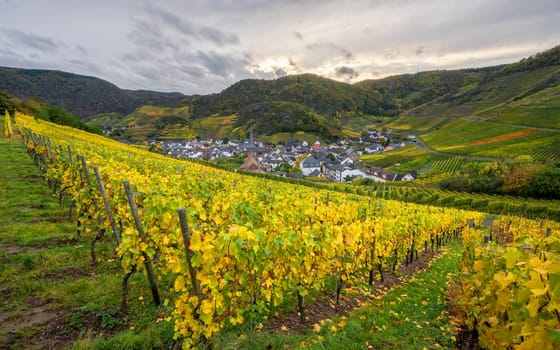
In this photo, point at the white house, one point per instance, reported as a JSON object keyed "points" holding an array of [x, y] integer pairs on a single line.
{"points": [[410, 176], [309, 165], [347, 173], [382, 175], [374, 148]]}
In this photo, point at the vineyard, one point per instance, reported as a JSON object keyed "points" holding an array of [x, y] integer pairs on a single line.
{"points": [[499, 205], [548, 153], [510, 285], [239, 249], [446, 166], [483, 139]]}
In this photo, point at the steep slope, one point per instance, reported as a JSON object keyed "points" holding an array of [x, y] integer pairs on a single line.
{"points": [[412, 90], [81, 95], [534, 79]]}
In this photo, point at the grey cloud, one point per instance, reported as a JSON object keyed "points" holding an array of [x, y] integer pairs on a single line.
{"points": [[218, 37], [197, 46], [192, 71], [11, 58], [347, 73], [81, 50], [32, 41], [200, 32], [392, 53], [222, 65], [150, 36], [183, 26], [149, 73], [330, 47], [463, 26]]}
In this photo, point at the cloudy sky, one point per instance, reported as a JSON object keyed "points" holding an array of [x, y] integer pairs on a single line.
{"points": [[203, 46]]}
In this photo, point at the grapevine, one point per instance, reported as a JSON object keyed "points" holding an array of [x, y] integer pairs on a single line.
{"points": [[510, 288], [251, 242]]}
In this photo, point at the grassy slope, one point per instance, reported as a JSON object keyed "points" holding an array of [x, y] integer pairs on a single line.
{"points": [[541, 109], [478, 138], [51, 294], [481, 138], [497, 91], [495, 118], [410, 316]]}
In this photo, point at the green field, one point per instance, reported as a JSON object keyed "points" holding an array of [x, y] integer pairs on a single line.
{"points": [[538, 116], [549, 152], [478, 138]]}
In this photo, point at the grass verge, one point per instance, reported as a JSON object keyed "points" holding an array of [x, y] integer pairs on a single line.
{"points": [[51, 295], [412, 315]]}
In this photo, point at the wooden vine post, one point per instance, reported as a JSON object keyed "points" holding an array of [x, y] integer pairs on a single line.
{"points": [[70, 155], [147, 261], [186, 232], [101, 187], [101, 230], [195, 283]]}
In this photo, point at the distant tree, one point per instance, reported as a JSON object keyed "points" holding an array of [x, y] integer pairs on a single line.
{"points": [[284, 167], [520, 175], [545, 184]]}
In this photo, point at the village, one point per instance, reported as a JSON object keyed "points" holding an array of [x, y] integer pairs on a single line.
{"points": [[336, 162]]}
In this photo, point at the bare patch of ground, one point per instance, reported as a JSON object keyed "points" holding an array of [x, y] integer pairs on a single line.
{"points": [[38, 324]]}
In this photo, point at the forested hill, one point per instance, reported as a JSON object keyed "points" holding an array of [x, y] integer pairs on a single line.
{"points": [[392, 95], [324, 102], [325, 96], [81, 95], [412, 90]]}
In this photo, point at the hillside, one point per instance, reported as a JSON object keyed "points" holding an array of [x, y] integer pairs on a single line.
{"points": [[80, 95], [412, 90], [325, 96], [525, 93], [532, 82], [42, 110]]}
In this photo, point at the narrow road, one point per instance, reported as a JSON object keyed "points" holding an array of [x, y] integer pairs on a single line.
{"points": [[427, 148]]}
